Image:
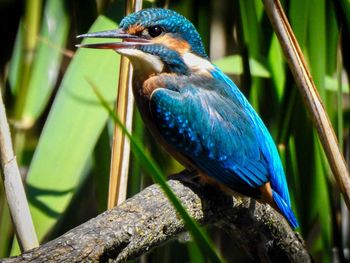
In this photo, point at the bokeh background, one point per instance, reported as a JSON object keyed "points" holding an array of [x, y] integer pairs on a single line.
{"points": [[62, 134]]}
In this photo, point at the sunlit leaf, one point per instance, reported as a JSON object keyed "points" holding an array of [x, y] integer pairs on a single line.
{"points": [[233, 65], [70, 133], [16, 60], [332, 85]]}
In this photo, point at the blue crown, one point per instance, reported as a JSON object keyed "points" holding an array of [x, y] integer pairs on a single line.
{"points": [[169, 20]]}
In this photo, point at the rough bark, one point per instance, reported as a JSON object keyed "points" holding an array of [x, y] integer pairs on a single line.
{"points": [[148, 220]]}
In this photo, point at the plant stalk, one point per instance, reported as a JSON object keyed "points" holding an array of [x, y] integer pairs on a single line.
{"points": [[14, 189], [310, 95], [118, 179]]}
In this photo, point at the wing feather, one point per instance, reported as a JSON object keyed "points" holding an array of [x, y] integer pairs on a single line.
{"points": [[267, 145], [214, 132]]}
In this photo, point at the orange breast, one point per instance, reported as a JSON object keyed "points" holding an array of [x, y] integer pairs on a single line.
{"points": [[142, 92]]}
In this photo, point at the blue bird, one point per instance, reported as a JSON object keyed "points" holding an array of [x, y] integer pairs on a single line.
{"points": [[194, 110]]}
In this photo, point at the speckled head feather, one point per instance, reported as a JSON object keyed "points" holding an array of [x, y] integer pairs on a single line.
{"points": [[171, 21]]}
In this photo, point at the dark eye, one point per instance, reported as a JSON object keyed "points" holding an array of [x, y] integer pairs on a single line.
{"points": [[155, 31]]}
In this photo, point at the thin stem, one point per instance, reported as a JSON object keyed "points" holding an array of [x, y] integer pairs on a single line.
{"points": [[121, 146], [14, 189], [310, 95]]}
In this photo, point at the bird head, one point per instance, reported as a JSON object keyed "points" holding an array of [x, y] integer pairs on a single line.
{"points": [[156, 41]]}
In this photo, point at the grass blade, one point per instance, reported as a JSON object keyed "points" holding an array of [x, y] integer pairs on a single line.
{"points": [[253, 39], [345, 4], [30, 35], [6, 228], [299, 12], [15, 68], [277, 67], [317, 45]]}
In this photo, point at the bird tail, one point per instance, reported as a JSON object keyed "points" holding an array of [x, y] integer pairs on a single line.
{"points": [[285, 209]]}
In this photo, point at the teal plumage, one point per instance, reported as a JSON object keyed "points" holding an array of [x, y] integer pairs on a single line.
{"points": [[171, 21], [195, 111], [211, 122]]}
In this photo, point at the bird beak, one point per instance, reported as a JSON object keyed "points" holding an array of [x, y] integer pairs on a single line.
{"points": [[130, 41]]}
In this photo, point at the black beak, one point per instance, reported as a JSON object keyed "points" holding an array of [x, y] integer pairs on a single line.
{"points": [[130, 41]]}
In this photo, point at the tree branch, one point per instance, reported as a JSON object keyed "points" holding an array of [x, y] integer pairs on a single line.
{"points": [[148, 220]]}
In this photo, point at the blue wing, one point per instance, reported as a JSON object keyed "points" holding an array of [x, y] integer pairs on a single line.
{"points": [[214, 131], [213, 125], [266, 143]]}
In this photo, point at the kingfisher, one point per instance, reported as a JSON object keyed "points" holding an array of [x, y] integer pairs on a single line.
{"points": [[194, 110]]}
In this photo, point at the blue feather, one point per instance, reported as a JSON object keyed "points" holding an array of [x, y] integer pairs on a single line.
{"points": [[223, 136], [285, 209], [207, 119], [197, 110], [171, 21], [268, 146]]}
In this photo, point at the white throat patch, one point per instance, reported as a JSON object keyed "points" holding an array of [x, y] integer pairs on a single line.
{"points": [[196, 63], [142, 62]]}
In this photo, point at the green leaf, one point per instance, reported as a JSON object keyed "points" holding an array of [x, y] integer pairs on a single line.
{"points": [[6, 228], [102, 156], [234, 65], [251, 28], [277, 66], [70, 133], [345, 4], [299, 12], [16, 60], [317, 44], [254, 41], [319, 202], [332, 38], [46, 65], [332, 85]]}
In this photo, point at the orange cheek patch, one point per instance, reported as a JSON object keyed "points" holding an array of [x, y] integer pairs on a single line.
{"points": [[135, 29], [170, 42]]}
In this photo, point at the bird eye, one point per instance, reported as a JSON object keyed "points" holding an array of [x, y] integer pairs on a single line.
{"points": [[155, 31]]}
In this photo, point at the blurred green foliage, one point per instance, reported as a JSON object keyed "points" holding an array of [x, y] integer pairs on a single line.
{"points": [[62, 132]]}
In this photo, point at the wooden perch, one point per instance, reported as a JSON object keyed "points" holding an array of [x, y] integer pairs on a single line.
{"points": [[148, 220]]}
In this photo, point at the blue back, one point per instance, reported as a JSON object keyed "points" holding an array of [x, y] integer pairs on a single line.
{"points": [[206, 118], [266, 143], [210, 122]]}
